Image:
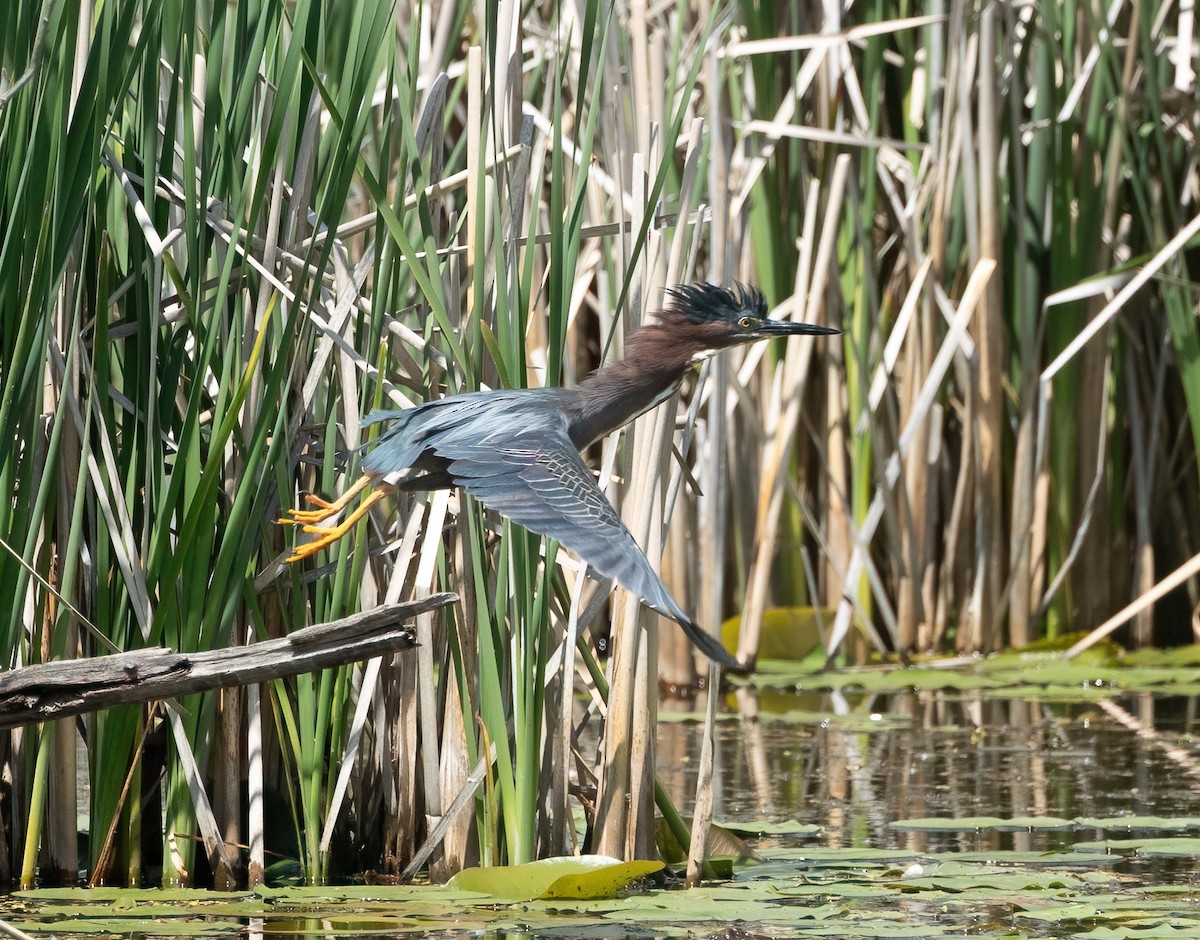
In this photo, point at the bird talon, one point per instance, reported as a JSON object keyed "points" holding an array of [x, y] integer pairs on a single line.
{"points": [[304, 516], [307, 550], [326, 532], [307, 519]]}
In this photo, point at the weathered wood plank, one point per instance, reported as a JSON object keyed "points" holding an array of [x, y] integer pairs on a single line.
{"points": [[73, 686]]}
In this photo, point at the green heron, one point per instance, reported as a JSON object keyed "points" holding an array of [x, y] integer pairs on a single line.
{"points": [[517, 450]]}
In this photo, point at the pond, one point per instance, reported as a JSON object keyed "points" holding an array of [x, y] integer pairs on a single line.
{"points": [[904, 813]]}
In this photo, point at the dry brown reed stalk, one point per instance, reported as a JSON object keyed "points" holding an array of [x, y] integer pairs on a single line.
{"points": [[677, 667], [702, 811], [625, 799], [784, 407]]}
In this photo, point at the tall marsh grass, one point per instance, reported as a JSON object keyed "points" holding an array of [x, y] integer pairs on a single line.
{"points": [[229, 231]]}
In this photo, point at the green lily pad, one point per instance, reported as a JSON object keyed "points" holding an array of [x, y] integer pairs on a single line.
{"points": [[1127, 823], [941, 824], [699, 907], [1051, 649], [880, 679], [788, 827], [881, 928], [129, 895], [848, 856], [987, 880], [1026, 823], [1053, 693], [978, 823], [1157, 932], [1160, 848], [1033, 673], [1072, 859], [586, 876], [133, 925], [864, 722], [842, 888], [1106, 907], [387, 894], [1179, 656], [724, 845], [787, 633], [925, 679]]}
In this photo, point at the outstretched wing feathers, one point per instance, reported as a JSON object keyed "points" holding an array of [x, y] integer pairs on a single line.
{"points": [[537, 479], [544, 486]]}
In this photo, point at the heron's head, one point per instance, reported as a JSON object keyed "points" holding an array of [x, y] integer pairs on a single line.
{"points": [[713, 318]]}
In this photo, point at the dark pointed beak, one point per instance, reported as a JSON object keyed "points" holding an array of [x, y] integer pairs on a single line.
{"points": [[772, 328]]}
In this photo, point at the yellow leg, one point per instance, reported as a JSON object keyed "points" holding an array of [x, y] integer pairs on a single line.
{"points": [[325, 510], [329, 535]]}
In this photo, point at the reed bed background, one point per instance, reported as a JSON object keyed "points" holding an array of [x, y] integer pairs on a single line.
{"points": [[229, 231]]}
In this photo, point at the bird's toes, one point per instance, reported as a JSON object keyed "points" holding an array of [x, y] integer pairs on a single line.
{"points": [[308, 549], [299, 553], [328, 534], [306, 516], [297, 517]]}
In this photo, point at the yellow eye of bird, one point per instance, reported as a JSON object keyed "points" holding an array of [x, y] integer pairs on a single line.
{"points": [[744, 323]]}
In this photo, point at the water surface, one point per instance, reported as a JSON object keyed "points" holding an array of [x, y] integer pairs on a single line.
{"points": [[911, 813]]}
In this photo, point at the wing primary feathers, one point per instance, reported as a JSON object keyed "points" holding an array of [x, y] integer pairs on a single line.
{"points": [[536, 478], [708, 644]]}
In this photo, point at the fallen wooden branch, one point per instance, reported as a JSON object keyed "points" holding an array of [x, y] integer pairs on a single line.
{"points": [[68, 687]]}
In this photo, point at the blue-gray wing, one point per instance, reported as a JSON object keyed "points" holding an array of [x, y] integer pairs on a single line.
{"points": [[540, 482]]}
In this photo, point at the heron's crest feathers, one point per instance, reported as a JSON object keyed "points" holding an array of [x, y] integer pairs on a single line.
{"points": [[708, 303]]}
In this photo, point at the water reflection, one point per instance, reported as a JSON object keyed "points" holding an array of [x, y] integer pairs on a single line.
{"points": [[877, 758]]}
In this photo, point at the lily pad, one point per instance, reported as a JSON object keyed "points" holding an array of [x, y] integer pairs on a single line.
{"points": [[1128, 823], [1031, 673], [1178, 656], [723, 845], [1160, 848], [1106, 907], [855, 722], [697, 907], [587, 876], [940, 824], [957, 877], [790, 633], [787, 827], [1027, 823], [1157, 932], [134, 925], [131, 896], [389, 894], [1002, 859], [849, 856]]}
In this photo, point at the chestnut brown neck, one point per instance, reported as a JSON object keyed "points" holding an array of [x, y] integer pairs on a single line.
{"points": [[656, 357]]}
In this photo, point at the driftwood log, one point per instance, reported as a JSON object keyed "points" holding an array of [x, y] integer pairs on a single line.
{"points": [[68, 687]]}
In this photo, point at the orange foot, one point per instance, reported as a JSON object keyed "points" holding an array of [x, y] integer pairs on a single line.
{"points": [[330, 534], [325, 509]]}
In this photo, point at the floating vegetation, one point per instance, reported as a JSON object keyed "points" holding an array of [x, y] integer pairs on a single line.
{"points": [[1067, 862], [812, 892], [1004, 675]]}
